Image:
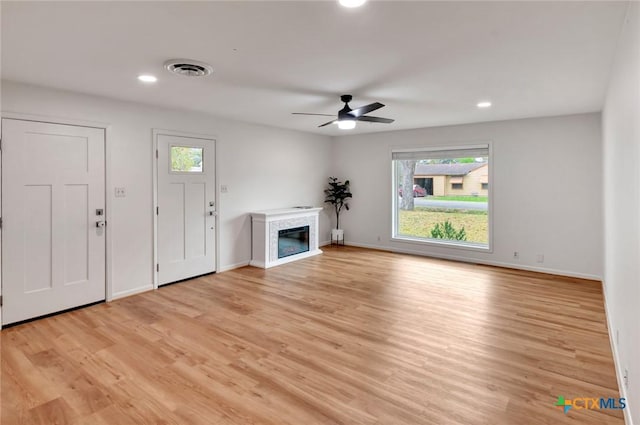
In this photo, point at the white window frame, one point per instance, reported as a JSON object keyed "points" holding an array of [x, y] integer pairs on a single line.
{"points": [[437, 242]]}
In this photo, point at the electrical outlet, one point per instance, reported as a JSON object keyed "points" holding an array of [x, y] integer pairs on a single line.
{"points": [[224, 188], [540, 258], [378, 238], [516, 255], [625, 378], [121, 192]]}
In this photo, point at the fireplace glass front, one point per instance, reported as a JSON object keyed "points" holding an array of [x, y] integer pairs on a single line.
{"points": [[293, 241]]}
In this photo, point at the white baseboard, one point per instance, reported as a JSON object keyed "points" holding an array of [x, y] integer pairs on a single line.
{"points": [[585, 276], [130, 292], [255, 263], [364, 245], [479, 261], [628, 420], [233, 266]]}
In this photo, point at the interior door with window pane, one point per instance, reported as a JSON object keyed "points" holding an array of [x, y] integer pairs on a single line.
{"points": [[53, 241], [186, 207]]}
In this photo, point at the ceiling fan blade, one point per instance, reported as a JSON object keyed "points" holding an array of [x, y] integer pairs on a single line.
{"points": [[365, 109], [327, 123], [376, 119], [306, 113]]}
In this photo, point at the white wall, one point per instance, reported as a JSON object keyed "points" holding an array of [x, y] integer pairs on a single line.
{"points": [[621, 141], [263, 168], [546, 190]]}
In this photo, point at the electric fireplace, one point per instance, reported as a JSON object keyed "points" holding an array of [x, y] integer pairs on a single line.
{"points": [[284, 235], [293, 241]]}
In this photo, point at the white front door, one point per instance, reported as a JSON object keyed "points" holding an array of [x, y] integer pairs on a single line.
{"points": [[53, 197], [186, 207]]}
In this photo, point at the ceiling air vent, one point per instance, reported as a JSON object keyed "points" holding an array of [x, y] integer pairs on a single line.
{"points": [[188, 67]]}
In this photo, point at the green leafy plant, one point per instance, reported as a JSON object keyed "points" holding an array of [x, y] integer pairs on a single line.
{"points": [[337, 194], [447, 231]]}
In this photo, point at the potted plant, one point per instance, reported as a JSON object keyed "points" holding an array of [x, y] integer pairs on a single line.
{"points": [[337, 194]]}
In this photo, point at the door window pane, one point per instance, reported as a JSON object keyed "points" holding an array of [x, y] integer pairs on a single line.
{"points": [[186, 159]]}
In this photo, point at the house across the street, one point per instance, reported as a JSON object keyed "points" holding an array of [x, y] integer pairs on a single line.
{"points": [[469, 179]]}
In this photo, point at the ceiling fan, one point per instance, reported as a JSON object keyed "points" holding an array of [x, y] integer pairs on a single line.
{"points": [[347, 117]]}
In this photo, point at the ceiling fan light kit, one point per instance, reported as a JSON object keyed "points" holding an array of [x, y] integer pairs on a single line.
{"points": [[347, 117], [346, 124]]}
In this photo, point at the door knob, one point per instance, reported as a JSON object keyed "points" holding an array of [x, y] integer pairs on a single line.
{"points": [[101, 223]]}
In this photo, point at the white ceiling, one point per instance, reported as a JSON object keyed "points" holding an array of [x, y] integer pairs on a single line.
{"points": [[429, 62]]}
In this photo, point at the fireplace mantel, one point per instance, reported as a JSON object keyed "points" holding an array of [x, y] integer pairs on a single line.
{"points": [[264, 234]]}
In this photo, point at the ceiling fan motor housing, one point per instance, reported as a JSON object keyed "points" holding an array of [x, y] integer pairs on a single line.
{"points": [[342, 113], [346, 98]]}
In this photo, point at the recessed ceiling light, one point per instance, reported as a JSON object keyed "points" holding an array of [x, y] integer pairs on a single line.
{"points": [[346, 124], [146, 78], [484, 104], [352, 3]]}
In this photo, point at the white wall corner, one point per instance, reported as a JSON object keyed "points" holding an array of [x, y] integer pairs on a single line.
{"points": [[230, 267], [628, 420]]}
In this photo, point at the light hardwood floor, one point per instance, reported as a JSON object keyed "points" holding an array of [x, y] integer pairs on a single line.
{"points": [[352, 336]]}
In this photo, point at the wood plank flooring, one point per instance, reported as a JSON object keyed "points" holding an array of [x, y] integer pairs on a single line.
{"points": [[352, 336]]}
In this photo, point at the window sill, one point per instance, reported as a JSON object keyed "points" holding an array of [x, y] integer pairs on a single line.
{"points": [[443, 244]]}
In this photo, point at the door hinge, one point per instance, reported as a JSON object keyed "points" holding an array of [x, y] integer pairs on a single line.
{"points": [[156, 153], [1, 300], [157, 210], [157, 267], [0, 222]]}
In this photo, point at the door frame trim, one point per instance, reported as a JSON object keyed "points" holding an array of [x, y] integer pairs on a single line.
{"points": [[154, 146], [106, 127], [54, 120]]}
